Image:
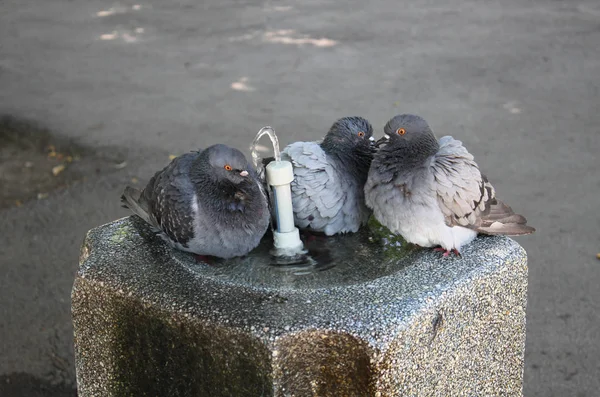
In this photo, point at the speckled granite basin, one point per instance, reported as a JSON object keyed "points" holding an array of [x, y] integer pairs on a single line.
{"points": [[363, 319]]}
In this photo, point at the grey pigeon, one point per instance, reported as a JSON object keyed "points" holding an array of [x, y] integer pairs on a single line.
{"points": [[208, 202], [329, 177], [432, 193]]}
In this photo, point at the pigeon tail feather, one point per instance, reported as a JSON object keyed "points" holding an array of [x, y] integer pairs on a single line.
{"points": [[132, 199], [502, 220]]}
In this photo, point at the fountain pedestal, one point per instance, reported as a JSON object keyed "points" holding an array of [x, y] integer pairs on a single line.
{"points": [[151, 322]]}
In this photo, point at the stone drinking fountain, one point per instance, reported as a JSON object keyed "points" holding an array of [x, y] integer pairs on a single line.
{"points": [[355, 315]]}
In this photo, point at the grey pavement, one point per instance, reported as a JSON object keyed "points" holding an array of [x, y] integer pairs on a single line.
{"points": [[517, 81]]}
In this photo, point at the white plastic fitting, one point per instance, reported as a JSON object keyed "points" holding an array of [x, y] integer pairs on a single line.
{"points": [[287, 236]]}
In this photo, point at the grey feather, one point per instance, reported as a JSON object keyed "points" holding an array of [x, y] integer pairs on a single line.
{"points": [[471, 199]]}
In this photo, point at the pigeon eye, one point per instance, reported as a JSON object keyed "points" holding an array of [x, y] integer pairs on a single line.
{"points": [[361, 134], [400, 131], [228, 167]]}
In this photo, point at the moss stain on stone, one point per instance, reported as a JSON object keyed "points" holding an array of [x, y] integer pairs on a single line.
{"points": [[158, 355], [325, 364], [394, 246], [121, 233]]}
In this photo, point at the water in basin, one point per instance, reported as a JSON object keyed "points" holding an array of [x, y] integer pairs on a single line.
{"points": [[330, 261]]}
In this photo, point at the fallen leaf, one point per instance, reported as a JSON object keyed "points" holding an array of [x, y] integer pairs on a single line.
{"points": [[134, 180], [69, 159], [51, 151], [58, 169], [598, 255], [18, 203], [172, 156]]}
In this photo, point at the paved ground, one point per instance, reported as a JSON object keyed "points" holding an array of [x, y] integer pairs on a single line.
{"points": [[517, 81]]}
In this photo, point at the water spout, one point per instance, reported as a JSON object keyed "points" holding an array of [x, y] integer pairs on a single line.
{"points": [[256, 159], [279, 175]]}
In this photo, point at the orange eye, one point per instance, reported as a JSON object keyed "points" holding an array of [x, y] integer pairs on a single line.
{"points": [[400, 131], [228, 167], [361, 134]]}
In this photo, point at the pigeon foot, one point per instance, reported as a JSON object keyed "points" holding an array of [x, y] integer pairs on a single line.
{"points": [[204, 259], [310, 237], [446, 252]]}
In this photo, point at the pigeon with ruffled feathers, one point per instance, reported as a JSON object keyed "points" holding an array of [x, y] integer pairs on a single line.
{"points": [[329, 177], [431, 192], [208, 202]]}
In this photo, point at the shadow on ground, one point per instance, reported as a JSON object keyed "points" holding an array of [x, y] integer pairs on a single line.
{"points": [[48, 182], [25, 385], [33, 162]]}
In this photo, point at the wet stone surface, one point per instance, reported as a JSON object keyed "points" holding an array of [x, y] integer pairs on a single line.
{"points": [[363, 318], [335, 261]]}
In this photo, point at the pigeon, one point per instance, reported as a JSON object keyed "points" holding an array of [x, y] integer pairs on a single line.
{"points": [[208, 202], [329, 178], [431, 192]]}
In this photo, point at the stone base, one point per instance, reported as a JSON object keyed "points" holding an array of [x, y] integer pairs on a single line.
{"points": [[150, 321]]}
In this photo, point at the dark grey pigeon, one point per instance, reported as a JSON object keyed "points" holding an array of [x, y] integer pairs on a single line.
{"points": [[208, 202], [432, 193], [329, 177]]}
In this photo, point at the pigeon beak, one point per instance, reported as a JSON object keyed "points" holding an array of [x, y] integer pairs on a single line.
{"points": [[244, 173], [371, 140], [383, 140]]}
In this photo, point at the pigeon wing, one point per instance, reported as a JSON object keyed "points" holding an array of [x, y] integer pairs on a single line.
{"points": [[168, 195], [318, 194], [465, 195]]}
